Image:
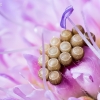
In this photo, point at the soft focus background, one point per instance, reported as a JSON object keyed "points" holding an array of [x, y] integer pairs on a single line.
{"points": [[23, 21]]}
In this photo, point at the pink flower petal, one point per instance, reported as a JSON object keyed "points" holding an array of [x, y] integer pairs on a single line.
{"points": [[68, 88], [50, 95], [90, 68], [33, 65], [72, 98], [17, 91], [37, 94], [98, 96]]}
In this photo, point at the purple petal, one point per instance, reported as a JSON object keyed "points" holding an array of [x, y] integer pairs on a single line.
{"points": [[9, 78], [33, 65], [85, 77], [68, 73], [9, 98], [72, 98], [68, 88], [65, 15], [89, 67], [2, 58], [32, 39], [88, 78], [25, 88], [17, 91], [50, 95], [9, 94], [37, 94], [98, 96], [49, 34]]}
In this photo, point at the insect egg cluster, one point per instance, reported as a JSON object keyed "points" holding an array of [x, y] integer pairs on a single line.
{"points": [[61, 52]]}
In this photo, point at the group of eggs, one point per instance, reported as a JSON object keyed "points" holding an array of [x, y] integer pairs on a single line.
{"points": [[62, 51]]}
